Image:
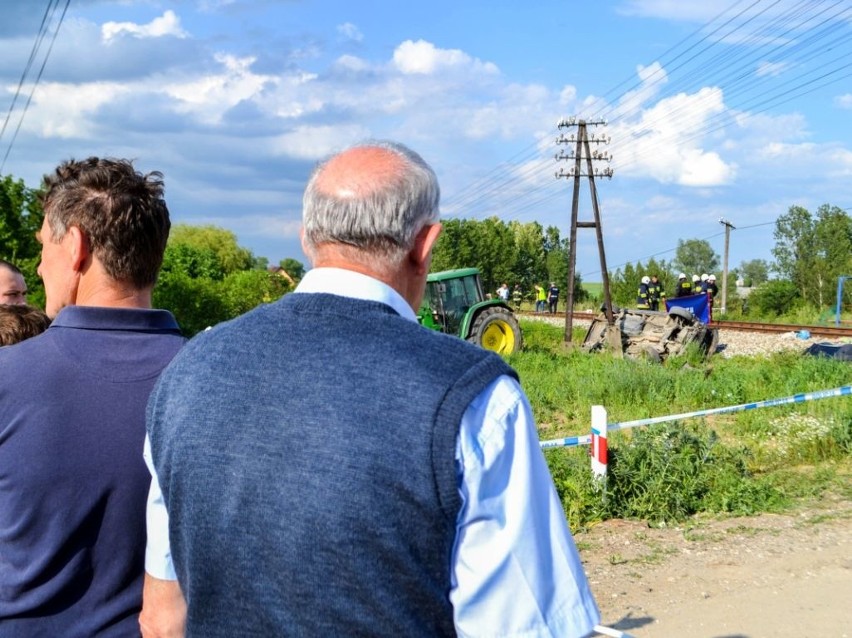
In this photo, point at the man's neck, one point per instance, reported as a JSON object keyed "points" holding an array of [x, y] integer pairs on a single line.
{"points": [[399, 281], [113, 295]]}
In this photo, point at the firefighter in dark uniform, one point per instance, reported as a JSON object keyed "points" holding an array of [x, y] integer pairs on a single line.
{"points": [[643, 297], [684, 286], [711, 288], [656, 292]]}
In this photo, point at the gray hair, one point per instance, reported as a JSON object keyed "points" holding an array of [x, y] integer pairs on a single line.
{"points": [[384, 222]]}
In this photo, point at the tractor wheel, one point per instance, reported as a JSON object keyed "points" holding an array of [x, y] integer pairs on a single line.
{"points": [[496, 329]]}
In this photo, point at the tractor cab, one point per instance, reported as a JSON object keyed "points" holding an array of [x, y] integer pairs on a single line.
{"points": [[455, 304]]}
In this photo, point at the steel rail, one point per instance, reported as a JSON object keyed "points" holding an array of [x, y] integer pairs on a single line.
{"points": [[741, 326]]}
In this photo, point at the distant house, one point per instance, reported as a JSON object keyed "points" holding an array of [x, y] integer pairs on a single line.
{"points": [[278, 270]]}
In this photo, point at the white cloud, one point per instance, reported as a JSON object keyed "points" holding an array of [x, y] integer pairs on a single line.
{"points": [[844, 101], [66, 110], [209, 97], [214, 5], [670, 9], [568, 95], [786, 152], [653, 77], [351, 63], [840, 162], [350, 32], [771, 68], [316, 142], [701, 168], [166, 25], [665, 141], [425, 58]]}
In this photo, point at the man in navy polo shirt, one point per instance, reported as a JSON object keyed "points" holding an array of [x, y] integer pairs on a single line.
{"points": [[73, 483]]}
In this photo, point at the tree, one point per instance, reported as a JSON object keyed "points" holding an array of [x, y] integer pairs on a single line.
{"points": [[293, 267], [456, 245], [488, 244], [192, 261], [754, 272], [695, 257], [196, 285], [794, 245], [530, 267], [623, 284], [223, 243], [811, 252], [241, 291], [195, 303]]}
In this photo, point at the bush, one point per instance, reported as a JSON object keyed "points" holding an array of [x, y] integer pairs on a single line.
{"points": [[670, 472], [774, 298]]}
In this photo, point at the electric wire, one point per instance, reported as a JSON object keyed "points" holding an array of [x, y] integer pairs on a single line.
{"points": [[42, 30], [802, 84], [35, 84]]}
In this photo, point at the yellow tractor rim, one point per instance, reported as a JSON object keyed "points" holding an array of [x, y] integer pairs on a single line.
{"points": [[499, 337]]}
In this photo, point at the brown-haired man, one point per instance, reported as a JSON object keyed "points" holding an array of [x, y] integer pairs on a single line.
{"points": [[73, 483]]}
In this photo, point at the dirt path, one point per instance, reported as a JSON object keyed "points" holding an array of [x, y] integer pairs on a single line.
{"points": [[768, 575]]}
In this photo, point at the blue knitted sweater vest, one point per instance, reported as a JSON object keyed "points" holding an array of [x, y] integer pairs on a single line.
{"points": [[306, 456]]}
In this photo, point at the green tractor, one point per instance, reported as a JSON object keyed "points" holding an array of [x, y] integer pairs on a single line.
{"points": [[454, 304]]}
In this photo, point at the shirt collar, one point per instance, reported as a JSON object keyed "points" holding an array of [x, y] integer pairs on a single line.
{"points": [[102, 318], [348, 283]]}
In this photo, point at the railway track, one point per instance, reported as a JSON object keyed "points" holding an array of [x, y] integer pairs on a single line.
{"points": [[815, 331], [835, 332]]}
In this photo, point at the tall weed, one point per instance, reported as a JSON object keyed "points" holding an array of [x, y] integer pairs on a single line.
{"points": [[736, 463]]}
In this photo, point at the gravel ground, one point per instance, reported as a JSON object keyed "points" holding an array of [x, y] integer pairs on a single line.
{"points": [[780, 575]]}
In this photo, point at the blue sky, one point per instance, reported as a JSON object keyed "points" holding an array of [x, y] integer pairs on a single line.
{"points": [[736, 109]]}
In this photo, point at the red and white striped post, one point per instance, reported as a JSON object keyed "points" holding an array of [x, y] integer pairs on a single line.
{"points": [[599, 449]]}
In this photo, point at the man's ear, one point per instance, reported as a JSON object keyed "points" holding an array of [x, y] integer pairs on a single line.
{"points": [[77, 245], [421, 254]]}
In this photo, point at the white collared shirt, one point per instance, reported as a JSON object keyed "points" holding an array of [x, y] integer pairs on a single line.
{"points": [[515, 568]]}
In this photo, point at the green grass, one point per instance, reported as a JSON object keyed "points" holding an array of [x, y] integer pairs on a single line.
{"points": [[744, 463]]}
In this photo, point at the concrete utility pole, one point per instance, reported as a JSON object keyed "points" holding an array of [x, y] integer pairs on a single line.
{"points": [[728, 226], [581, 140]]}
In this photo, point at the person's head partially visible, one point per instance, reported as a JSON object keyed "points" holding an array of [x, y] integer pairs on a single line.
{"points": [[13, 288], [19, 322], [373, 208], [104, 234]]}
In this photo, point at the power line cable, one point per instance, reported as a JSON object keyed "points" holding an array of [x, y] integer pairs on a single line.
{"points": [[783, 19], [35, 84], [36, 45]]}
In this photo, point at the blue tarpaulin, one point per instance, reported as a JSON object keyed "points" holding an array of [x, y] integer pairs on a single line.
{"points": [[698, 305]]}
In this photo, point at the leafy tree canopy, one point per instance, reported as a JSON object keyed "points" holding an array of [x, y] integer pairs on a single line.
{"points": [[223, 243], [293, 267], [754, 272], [695, 257], [813, 251], [514, 253]]}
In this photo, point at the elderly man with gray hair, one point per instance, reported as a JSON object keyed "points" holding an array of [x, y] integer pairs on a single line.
{"points": [[329, 467]]}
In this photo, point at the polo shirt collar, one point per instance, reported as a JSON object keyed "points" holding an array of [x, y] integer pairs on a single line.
{"points": [[102, 318]]}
